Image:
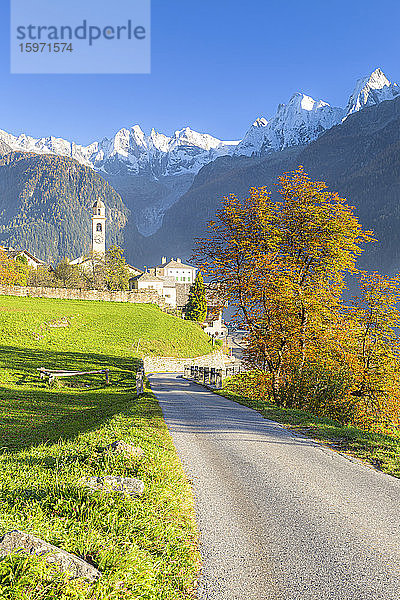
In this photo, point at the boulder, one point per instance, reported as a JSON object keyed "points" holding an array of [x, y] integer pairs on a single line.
{"points": [[17, 541], [128, 486]]}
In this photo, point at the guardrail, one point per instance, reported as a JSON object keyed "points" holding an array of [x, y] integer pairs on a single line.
{"points": [[210, 375]]}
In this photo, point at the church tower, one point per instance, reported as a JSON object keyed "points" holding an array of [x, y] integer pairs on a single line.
{"points": [[99, 228]]}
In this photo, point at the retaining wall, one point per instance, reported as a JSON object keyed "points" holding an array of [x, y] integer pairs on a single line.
{"points": [[167, 364], [132, 296]]}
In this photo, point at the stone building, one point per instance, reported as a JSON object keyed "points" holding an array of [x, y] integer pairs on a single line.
{"points": [[171, 279], [181, 272]]}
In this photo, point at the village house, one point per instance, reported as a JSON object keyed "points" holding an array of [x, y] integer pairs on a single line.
{"points": [[164, 286], [214, 325], [170, 279], [176, 268], [32, 260]]}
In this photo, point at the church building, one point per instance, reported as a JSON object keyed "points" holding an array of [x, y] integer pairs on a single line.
{"points": [[98, 241], [99, 228]]}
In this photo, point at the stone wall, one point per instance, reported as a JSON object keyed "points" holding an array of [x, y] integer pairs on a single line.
{"points": [[142, 297], [167, 364]]}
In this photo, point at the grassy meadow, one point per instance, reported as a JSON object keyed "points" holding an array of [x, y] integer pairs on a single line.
{"points": [[52, 436]]}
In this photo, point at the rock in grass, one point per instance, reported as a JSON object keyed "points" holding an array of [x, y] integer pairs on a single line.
{"points": [[121, 447], [17, 541], [128, 486]]}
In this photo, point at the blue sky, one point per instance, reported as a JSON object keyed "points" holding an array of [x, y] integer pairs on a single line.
{"points": [[216, 66]]}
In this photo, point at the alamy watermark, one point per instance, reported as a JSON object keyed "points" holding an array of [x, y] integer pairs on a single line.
{"points": [[80, 36]]}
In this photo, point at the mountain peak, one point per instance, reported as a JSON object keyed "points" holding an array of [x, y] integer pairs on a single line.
{"points": [[303, 102], [377, 79], [260, 122], [370, 90], [296, 123]]}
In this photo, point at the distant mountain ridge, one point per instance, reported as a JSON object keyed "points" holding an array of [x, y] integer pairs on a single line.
{"points": [[130, 149], [151, 172], [166, 188], [300, 121], [304, 119]]}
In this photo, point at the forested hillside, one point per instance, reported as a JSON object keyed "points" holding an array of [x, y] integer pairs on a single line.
{"points": [[359, 158], [46, 205]]}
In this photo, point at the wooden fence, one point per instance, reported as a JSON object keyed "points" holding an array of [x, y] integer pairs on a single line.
{"points": [[210, 375]]}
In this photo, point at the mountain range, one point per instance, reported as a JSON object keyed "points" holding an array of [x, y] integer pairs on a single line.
{"points": [[167, 187]]}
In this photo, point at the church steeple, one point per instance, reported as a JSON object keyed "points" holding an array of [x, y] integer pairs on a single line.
{"points": [[99, 228]]}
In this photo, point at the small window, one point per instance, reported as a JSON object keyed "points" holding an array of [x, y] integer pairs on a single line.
{"points": [[99, 227], [99, 211]]}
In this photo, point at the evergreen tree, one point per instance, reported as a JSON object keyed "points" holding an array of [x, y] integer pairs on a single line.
{"points": [[196, 307]]}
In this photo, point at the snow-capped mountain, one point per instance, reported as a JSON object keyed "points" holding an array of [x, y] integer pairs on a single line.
{"points": [[299, 122], [131, 150], [303, 119], [152, 171], [371, 90]]}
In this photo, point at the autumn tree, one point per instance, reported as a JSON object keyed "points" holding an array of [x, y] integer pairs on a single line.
{"points": [[40, 277], [93, 271], [373, 349], [9, 273], [196, 307], [23, 269], [282, 262]]}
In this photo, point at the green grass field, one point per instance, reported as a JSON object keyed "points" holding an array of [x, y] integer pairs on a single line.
{"points": [[51, 437]]}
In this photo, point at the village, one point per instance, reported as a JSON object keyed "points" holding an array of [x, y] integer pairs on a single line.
{"points": [[171, 280]]}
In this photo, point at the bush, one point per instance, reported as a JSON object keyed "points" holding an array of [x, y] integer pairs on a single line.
{"points": [[320, 390], [317, 389]]}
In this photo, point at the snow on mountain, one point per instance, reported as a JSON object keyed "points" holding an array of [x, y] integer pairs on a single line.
{"points": [[303, 119], [156, 154], [371, 90], [299, 122], [131, 151]]}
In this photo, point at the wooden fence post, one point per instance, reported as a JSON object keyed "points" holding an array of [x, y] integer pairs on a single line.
{"points": [[139, 382]]}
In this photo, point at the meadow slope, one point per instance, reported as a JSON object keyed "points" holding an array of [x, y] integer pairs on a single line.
{"points": [[52, 436]]}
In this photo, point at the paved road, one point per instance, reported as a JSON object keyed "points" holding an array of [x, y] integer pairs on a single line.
{"points": [[235, 342], [281, 517]]}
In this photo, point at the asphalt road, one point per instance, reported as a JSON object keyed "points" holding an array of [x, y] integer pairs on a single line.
{"points": [[281, 517]]}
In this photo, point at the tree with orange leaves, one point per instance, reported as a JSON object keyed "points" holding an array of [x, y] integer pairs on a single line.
{"points": [[9, 272], [374, 350], [282, 264]]}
